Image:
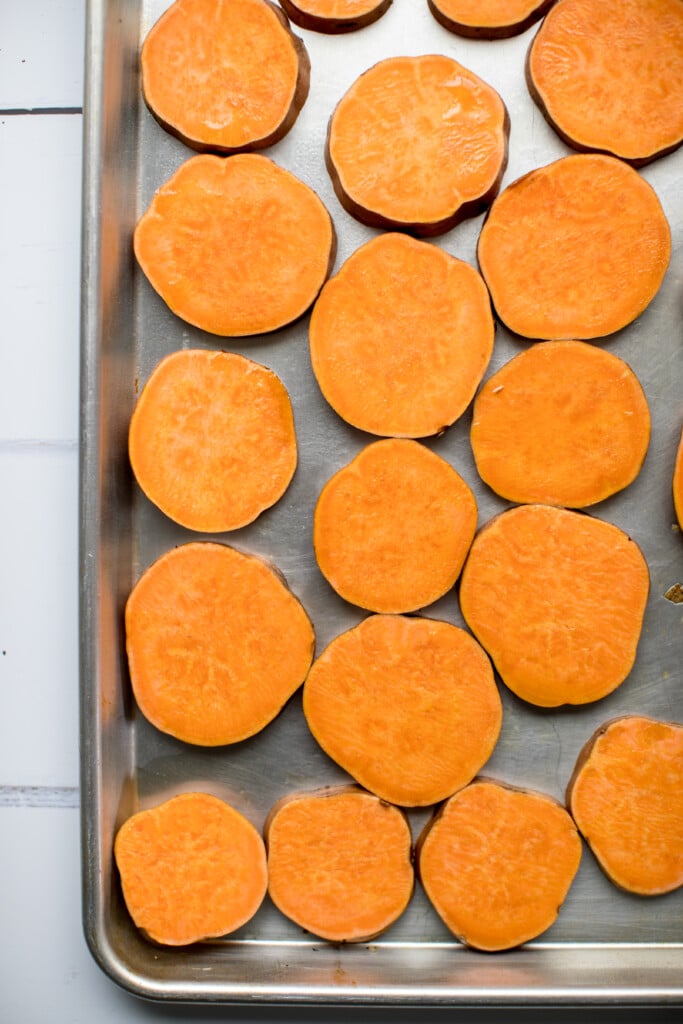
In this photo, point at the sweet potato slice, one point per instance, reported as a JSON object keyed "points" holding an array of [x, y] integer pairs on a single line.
{"points": [[417, 144], [564, 424], [334, 16], [391, 529], [216, 642], [678, 483], [235, 245], [224, 77], [339, 862], [401, 336], [626, 796], [212, 440], [488, 19], [575, 249], [497, 863], [191, 868], [609, 77], [557, 598], [408, 706]]}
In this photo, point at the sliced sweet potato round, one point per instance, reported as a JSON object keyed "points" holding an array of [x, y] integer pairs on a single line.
{"points": [[417, 144], [191, 868], [678, 483], [339, 862], [212, 440], [626, 796], [391, 529], [334, 16], [497, 863], [401, 336], [575, 249], [224, 77], [408, 706], [235, 245], [565, 423], [557, 598], [609, 77], [217, 643], [488, 19]]}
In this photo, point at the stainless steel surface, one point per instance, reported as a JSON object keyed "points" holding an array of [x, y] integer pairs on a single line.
{"points": [[606, 946]]}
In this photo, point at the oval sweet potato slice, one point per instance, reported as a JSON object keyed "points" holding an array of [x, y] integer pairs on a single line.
{"points": [[212, 440], [574, 250], [339, 862], [224, 77], [626, 796], [678, 483], [401, 336], [216, 643], [334, 16], [235, 245], [488, 19], [497, 863], [565, 423], [391, 529], [557, 598], [609, 77], [191, 868], [408, 706], [417, 144]]}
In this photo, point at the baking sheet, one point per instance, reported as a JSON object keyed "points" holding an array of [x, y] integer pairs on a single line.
{"points": [[606, 945]]}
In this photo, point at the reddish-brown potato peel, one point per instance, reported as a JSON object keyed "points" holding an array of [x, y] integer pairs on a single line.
{"points": [[227, 77], [488, 19], [333, 16], [417, 144]]}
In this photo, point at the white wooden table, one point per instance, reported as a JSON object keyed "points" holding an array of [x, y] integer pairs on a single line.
{"points": [[46, 972]]}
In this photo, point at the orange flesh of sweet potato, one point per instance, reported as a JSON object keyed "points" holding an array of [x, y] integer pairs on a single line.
{"points": [[401, 336], [339, 863], [335, 15], [235, 245], [212, 439], [204, 635], [564, 424], [626, 796], [609, 76], [575, 249], [678, 483], [417, 143], [488, 19], [224, 77], [191, 868], [407, 706], [497, 863], [391, 529], [557, 599]]}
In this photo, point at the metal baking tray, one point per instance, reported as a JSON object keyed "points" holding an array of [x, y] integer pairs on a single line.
{"points": [[607, 946]]}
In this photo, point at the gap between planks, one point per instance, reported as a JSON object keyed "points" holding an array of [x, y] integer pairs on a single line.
{"points": [[39, 796]]}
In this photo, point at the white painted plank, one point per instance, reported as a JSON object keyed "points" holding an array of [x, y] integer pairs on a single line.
{"points": [[39, 616], [46, 971], [41, 53], [40, 214]]}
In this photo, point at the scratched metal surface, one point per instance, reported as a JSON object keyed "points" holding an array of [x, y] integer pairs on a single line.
{"points": [[606, 945]]}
